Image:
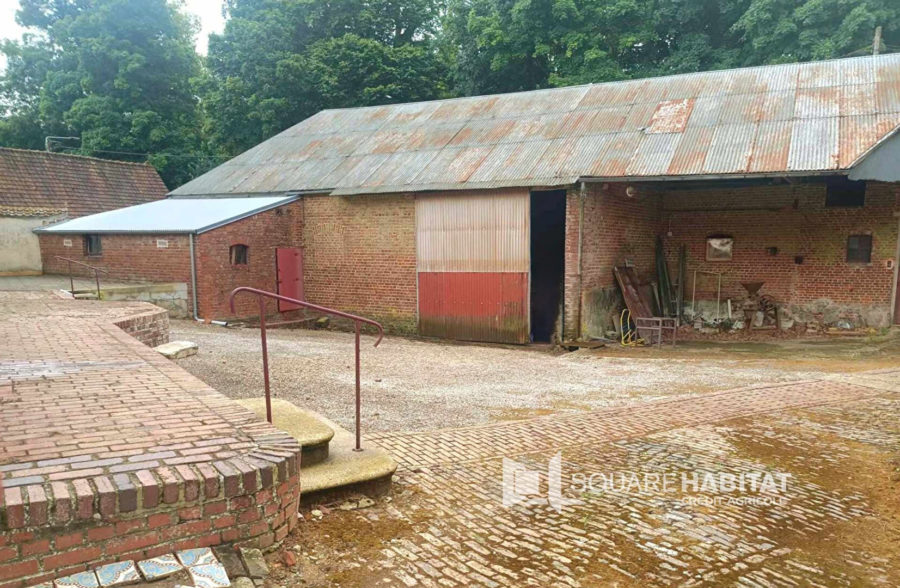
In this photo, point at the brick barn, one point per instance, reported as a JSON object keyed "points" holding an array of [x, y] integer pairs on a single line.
{"points": [[213, 246], [39, 188], [501, 218]]}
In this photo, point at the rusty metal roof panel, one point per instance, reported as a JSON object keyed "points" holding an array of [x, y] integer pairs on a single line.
{"points": [[729, 152], [654, 154], [400, 169], [510, 161], [690, 154], [452, 166], [770, 147], [817, 102], [814, 145], [780, 118], [777, 105], [706, 111]]}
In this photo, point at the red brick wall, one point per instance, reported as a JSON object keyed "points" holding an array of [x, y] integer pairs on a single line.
{"points": [[262, 233], [616, 228], [127, 257], [360, 256], [45, 541], [793, 219]]}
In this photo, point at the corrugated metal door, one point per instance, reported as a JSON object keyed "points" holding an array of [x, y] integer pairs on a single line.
{"points": [[289, 269], [473, 262]]}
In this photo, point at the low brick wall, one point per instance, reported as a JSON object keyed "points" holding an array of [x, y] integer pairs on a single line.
{"points": [[150, 328], [111, 452], [59, 535]]}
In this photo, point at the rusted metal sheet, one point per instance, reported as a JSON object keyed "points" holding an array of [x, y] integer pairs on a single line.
{"points": [[814, 144], [473, 232], [770, 152], [470, 306], [671, 116], [473, 256], [509, 140]]}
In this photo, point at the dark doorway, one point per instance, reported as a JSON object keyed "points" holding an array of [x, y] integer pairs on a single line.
{"points": [[548, 234]]}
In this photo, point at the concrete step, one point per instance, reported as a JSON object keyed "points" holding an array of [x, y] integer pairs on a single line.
{"points": [[78, 295], [330, 469], [303, 425], [347, 472]]}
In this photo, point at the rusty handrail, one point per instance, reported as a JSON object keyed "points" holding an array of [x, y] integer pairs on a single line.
{"points": [[357, 321], [96, 269]]}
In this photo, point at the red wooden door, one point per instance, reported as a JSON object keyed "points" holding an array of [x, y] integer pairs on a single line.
{"points": [[289, 268]]}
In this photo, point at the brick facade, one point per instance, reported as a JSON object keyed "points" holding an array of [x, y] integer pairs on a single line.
{"points": [[263, 233], [791, 218], [794, 220], [127, 257], [616, 228], [360, 256]]}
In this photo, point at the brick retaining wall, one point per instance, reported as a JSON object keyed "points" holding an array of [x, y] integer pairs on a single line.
{"points": [[112, 452]]}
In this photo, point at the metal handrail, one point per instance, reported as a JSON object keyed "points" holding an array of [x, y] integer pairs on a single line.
{"points": [[97, 271], [357, 321]]}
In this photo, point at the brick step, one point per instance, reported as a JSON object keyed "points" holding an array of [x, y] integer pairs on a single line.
{"points": [[305, 426], [330, 469]]}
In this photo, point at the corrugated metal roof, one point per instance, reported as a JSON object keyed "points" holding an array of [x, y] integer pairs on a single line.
{"points": [[795, 118], [172, 215]]}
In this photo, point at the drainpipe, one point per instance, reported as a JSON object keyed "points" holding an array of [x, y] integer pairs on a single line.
{"points": [[193, 277], [581, 196]]}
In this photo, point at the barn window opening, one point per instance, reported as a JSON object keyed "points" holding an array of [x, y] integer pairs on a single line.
{"points": [[843, 193], [92, 245], [859, 249], [239, 254]]}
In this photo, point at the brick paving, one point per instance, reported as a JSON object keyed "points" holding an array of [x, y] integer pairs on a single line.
{"points": [[540, 434], [100, 429], [446, 526]]}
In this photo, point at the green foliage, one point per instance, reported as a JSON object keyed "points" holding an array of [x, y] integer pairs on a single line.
{"points": [[124, 77], [117, 73], [280, 61]]}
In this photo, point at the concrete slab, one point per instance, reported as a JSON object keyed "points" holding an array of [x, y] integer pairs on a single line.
{"points": [[177, 349]]}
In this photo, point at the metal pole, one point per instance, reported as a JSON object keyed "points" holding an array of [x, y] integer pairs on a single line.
{"points": [[358, 397], [265, 356], [97, 277], [71, 280]]}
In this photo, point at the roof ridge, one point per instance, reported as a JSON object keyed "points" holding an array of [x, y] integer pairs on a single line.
{"points": [[608, 82], [53, 155]]}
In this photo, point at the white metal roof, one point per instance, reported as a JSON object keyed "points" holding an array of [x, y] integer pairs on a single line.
{"points": [[172, 215]]}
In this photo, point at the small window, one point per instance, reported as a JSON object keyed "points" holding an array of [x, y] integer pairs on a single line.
{"points": [[843, 193], [92, 246], [719, 248], [239, 254], [859, 249]]}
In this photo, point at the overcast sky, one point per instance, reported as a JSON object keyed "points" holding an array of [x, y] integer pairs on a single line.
{"points": [[208, 11]]}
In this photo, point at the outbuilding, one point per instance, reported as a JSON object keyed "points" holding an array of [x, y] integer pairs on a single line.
{"points": [[502, 218], [38, 188], [211, 246]]}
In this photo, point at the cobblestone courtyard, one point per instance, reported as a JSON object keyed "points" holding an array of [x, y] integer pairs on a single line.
{"points": [[836, 523]]}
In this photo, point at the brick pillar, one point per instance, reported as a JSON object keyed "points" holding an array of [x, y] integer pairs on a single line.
{"points": [[572, 288]]}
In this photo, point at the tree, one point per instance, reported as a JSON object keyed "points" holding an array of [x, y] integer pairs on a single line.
{"points": [[116, 73], [280, 61]]}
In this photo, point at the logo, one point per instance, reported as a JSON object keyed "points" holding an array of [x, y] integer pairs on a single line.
{"points": [[523, 486]]}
